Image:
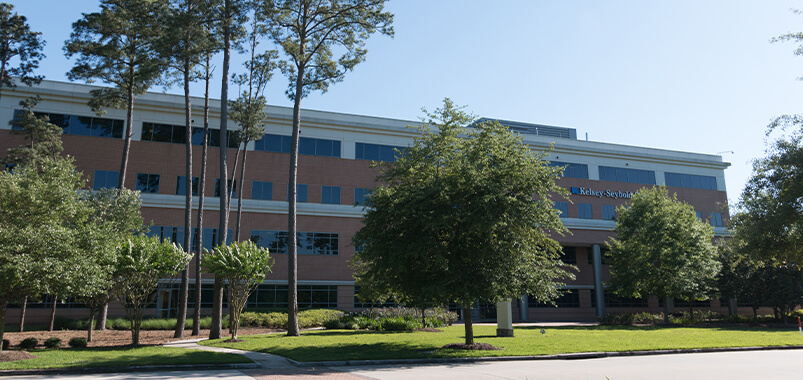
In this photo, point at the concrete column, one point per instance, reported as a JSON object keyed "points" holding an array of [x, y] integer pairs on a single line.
{"points": [[599, 291], [733, 310], [504, 319], [523, 308]]}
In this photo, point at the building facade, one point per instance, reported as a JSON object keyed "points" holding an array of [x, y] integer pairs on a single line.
{"points": [[334, 176]]}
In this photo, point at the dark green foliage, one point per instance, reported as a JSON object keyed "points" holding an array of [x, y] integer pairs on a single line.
{"points": [[77, 342], [278, 320], [658, 238], [29, 343], [44, 138], [465, 213], [629, 319], [392, 319], [20, 43], [53, 343]]}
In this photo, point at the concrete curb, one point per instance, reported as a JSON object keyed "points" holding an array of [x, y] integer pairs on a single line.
{"points": [[573, 356], [145, 368]]}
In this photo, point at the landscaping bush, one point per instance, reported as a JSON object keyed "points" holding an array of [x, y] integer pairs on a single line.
{"points": [[697, 316], [278, 320], [53, 343], [6, 343], [317, 317], [77, 342], [29, 343], [391, 319], [629, 319]]}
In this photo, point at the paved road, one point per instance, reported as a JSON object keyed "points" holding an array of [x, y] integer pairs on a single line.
{"points": [[783, 364]]}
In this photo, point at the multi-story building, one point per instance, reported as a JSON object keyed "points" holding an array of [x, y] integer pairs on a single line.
{"points": [[334, 175]]}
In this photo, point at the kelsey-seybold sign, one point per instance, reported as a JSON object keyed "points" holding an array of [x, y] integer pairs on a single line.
{"points": [[602, 193]]}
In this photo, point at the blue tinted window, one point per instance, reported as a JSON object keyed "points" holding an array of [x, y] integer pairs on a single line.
{"points": [[646, 177], [262, 190], [330, 194], [376, 152], [608, 212], [572, 170], [105, 179], [81, 125], [301, 192], [307, 145], [148, 183], [584, 211], [360, 196], [308, 243], [563, 207], [232, 184], [691, 181], [715, 219], [181, 185]]}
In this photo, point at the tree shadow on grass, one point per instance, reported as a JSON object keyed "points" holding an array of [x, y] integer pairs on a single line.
{"points": [[123, 356]]}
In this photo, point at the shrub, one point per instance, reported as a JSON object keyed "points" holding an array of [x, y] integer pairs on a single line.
{"points": [[53, 343], [317, 317], [77, 342], [6, 343], [29, 343], [628, 319]]}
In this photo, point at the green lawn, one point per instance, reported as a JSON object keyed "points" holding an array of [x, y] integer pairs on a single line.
{"points": [[325, 345], [120, 356]]}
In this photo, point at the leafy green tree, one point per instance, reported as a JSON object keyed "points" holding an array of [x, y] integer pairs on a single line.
{"points": [[20, 45], [117, 46], [310, 33], [44, 138], [115, 216], [783, 287], [463, 214], [243, 266], [142, 261], [662, 249], [39, 210]]}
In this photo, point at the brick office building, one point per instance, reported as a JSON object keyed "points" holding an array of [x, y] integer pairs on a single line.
{"points": [[334, 175]]}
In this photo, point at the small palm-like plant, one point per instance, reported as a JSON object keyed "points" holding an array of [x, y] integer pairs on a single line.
{"points": [[243, 265]]}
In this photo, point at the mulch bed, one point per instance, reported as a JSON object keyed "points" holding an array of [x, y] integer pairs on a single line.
{"points": [[472, 347], [12, 356], [119, 338]]}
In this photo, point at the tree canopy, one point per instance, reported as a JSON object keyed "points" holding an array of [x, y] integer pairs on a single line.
{"points": [[662, 249], [20, 45], [464, 214]]}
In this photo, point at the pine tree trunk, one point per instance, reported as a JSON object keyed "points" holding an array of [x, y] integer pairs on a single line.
{"points": [[292, 227], [104, 313], [196, 319], [129, 130], [469, 327], [666, 310], [22, 314], [240, 196], [224, 144], [185, 274]]}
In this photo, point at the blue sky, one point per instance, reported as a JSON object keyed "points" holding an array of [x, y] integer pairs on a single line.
{"points": [[692, 75]]}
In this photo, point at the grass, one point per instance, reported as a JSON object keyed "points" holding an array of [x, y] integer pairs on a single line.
{"points": [[120, 357], [326, 345]]}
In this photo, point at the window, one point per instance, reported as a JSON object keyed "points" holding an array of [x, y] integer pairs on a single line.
{"points": [[262, 190], [715, 219], [570, 298], [361, 195], [608, 212], [301, 192], [569, 255], [309, 296], [691, 181], [232, 184], [306, 145], [584, 211], [376, 152], [646, 177], [148, 183], [563, 207], [181, 185], [176, 235], [177, 134], [309, 243], [572, 170], [699, 215], [105, 179], [330, 195], [84, 125]]}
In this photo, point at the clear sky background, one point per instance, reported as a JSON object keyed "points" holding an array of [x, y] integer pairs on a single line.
{"points": [[691, 75]]}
